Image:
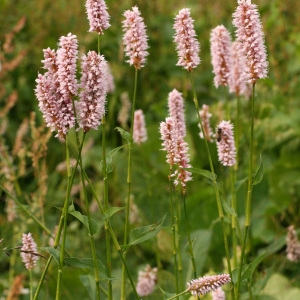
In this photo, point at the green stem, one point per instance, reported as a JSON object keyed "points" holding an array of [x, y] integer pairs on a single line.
{"points": [[180, 268], [64, 215], [175, 242], [113, 236], [189, 237], [249, 193], [215, 184], [31, 283], [177, 295], [92, 240], [127, 206], [106, 206]]}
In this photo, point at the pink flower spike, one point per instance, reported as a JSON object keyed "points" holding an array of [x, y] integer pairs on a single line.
{"points": [[135, 38], [225, 144], [220, 48], [176, 110], [169, 136], [146, 281], [206, 284], [29, 252], [91, 106], [139, 127], [250, 38], [97, 15], [188, 47], [67, 56], [236, 83]]}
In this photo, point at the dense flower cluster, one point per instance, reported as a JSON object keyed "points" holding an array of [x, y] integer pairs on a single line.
{"points": [[97, 15], [225, 144], [236, 83], [176, 110], [177, 151], [55, 89], [250, 40], [188, 47], [91, 105], [168, 132], [146, 281], [206, 284], [220, 48], [135, 38], [29, 252], [293, 245], [205, 119], [139, 127]]}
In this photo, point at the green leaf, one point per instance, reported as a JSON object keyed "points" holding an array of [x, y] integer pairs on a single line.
{"points": [[201, 245], [87, 263], [84, 220], [125, 134], [111, 211], [257, 178], [205, 173], [109, 159], [144, 233], [228, 209], [239, 183], [54, 252], [248, 270]]}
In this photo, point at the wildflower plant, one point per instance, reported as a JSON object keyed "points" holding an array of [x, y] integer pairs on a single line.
{"points": [[72, 96]]}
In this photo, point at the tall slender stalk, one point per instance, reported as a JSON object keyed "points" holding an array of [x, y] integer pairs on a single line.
{"points": [[215, 184], [92, 240], [174, 234], [127, 206], [249, 193], [189, 237], [64, 216], [106, 204]]}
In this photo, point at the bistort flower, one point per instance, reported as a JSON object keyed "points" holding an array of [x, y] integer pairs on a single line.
{"points": [[176, 110], [225, 144], [55, 89], [97, 15], [250, 38], [205, 119], [169, 136], [220, 48], [187, 46], [146, 281], [139, 127], [177, 152], [91, 105], [237, 84], [29, 252], [135, 38], [206, 284]]}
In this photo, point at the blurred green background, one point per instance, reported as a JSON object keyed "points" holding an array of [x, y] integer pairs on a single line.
{"points": [[277, 129]]}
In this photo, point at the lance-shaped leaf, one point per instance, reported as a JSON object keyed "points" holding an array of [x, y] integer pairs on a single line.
{"points": [[125, 134], [205, 173], [257, 178], [144, 233]]}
